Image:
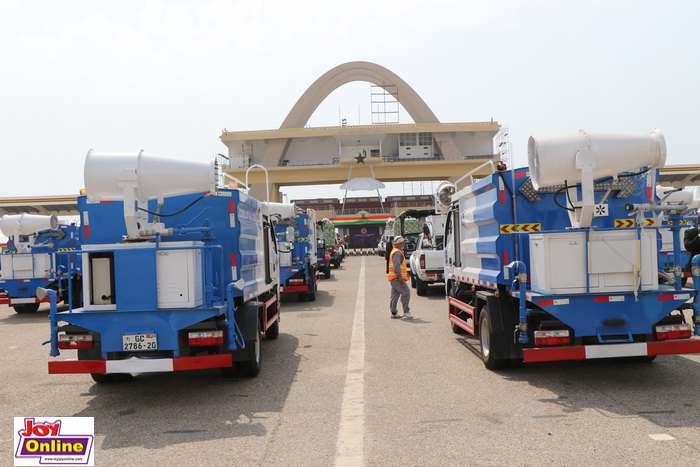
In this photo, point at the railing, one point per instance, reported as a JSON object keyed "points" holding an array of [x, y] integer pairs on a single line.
{"points": [[391, 158]]}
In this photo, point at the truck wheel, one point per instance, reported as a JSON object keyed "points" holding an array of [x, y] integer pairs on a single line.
{"points": [[456, 329], [327, 272], [486, 340], [311, 295], [26, 308], [251, 368], [413, 280], [273, 331], [107, 378], [421, 287], [336, 264]]}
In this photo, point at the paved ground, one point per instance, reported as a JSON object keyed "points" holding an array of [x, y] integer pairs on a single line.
{"points": [[416, 394]]}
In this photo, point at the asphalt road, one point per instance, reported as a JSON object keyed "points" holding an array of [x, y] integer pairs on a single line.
{"points": [[345, 384]]}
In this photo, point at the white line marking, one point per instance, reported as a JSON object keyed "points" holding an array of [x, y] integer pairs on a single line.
{"points": [[662, 437], [350, 449]]}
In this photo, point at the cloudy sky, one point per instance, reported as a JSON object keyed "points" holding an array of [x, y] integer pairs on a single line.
{"points": [[169, 76]]}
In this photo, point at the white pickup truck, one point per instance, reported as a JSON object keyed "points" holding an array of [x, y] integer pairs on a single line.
{"points": [[427, 263]]}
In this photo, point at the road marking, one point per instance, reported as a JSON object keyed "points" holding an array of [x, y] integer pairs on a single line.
{"points": [[662, 437], [350, 449]]}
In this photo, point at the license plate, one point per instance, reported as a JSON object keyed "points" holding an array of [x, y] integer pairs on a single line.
{"points": [[140, 342]]}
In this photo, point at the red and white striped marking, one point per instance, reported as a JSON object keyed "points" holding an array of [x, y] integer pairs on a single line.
{"points": [[501, 191], [140, 365], [637, 349], [558, 301], [474, 280], [19, 301], [677, 296], [609, 298]]}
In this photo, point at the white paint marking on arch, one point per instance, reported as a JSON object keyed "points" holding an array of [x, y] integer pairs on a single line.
{"points": [[350, 449]]}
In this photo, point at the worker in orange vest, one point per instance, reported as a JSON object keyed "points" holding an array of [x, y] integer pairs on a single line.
{"points": [[398, 278]]}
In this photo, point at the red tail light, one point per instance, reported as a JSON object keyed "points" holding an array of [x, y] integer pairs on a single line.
{"points": [[421, 260], [543, 338], [204, 338], [673, 331], [327, 256], [74, 341]]}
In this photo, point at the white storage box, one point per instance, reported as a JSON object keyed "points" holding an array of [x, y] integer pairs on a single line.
{"points": [[612, 261]]}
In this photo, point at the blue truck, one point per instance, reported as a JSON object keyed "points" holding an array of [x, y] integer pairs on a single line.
{"points": [[556, 261], [180, 274], [37, 256], [296, 237]]}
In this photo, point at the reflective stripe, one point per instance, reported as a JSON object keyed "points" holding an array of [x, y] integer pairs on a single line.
{"points": [[404, 270]]}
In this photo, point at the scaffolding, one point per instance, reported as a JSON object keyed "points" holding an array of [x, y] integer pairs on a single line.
{"points": [[503, 146], [385, 104]]}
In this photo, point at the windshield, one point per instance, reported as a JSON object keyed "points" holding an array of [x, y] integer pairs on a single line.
{"points": [[411, 241]]}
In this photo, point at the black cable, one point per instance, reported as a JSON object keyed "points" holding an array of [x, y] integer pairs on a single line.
{"points": [[567, 197], [506, 184], [595, 181], [175, 213]]}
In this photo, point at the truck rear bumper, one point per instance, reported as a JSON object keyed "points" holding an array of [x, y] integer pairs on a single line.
{"points": [[431, 276], [295, 288], [21, 301], [637, 349], [140, 365]]}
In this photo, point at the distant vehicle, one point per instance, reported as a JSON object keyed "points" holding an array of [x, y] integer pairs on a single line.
{"points": [[37, 256], [323, 258], [427, 263], [409, 226], [330, 242], [296, 237], [381, 246]]}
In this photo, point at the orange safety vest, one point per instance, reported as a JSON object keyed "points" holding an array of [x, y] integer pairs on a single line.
{"points": [[404, 270]]}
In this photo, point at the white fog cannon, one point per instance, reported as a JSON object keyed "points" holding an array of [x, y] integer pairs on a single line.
{"points": [[16, 225], [137, 178], [584, 157]]}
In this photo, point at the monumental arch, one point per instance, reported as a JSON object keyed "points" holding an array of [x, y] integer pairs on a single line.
{"points": [[332, 80], [299, 155]]}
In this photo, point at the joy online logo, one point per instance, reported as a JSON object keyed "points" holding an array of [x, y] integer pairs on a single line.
{"points": [[43, 441]]}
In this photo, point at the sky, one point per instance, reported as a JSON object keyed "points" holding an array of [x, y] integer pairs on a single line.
{"points": [[169, 76]]}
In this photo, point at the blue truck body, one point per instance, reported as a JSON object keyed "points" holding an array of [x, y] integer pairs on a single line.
{"points": [[46, 265], [296, 238], [196, 295], [535, 289]]}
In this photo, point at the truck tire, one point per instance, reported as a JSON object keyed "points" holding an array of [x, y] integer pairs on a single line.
{"points": [[107, 378], [486, 338], [311, 294], [273, 331], [26, 308], [421, 287], [327, 272], [456, 329], [413, 280], [251, 368], [336, 264]]}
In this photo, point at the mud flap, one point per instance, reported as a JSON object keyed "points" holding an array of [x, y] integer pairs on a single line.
{"points": [[503, 314], [247, 319]]}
